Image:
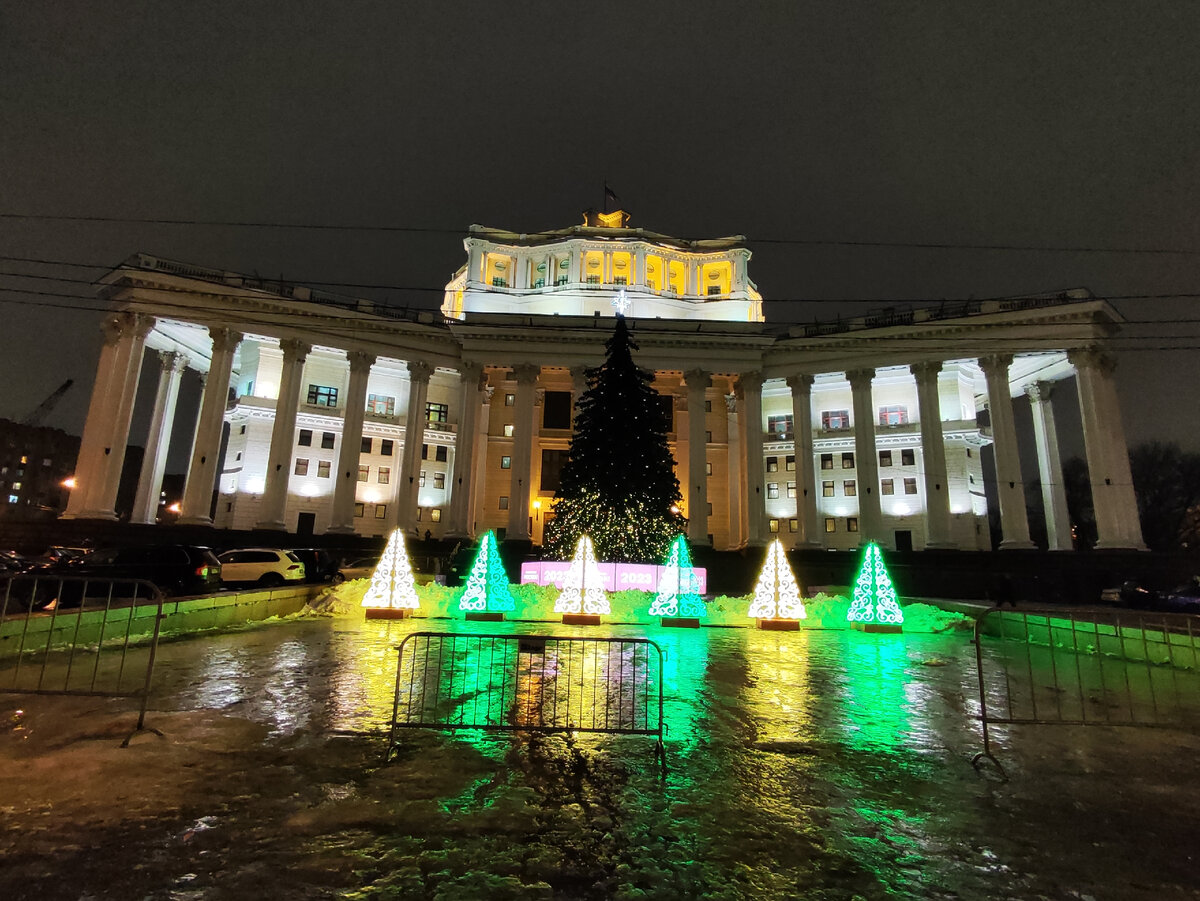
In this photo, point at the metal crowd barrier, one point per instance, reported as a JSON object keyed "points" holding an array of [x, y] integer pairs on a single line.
{"points": [[529, 683], [64, 635], [1083, 667]]}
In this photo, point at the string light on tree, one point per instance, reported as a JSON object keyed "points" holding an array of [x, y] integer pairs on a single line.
{"points": [[392, 593], [678, 600], [487, 595], [874, 607], [582, 600], [777, 603]]}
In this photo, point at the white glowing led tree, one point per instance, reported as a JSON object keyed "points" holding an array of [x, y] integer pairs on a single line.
{"points": [[777, 594], [678, 592], [583, 586], [392, 582]]}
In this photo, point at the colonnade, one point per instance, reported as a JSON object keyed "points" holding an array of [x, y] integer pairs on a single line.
{"points": [[106, 433]]}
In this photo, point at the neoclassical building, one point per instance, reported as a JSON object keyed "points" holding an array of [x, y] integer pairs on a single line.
{"points": [[325, 414]]}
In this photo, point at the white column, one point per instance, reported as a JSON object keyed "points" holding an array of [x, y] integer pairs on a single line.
{"points": [[1054, 492], [866, 457], [345, 488], [751, 384], [520, 490], [698, 381], [1118, 525], [1014, 522], [206, 448], [933, 451], [283, 437], [808, 532], [414, 436], [638, 276], [158, 439], [472, 383], [480, 457], [474, 263], [736, 485], [111, 404]]}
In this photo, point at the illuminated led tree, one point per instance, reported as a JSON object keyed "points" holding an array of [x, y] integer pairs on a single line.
{"points": [[618, 485], [874, 602], [677, 593], [777, 594], [487, 584], [392, 584], [583, 586]]}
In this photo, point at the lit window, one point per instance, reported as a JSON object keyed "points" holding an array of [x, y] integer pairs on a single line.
{"points": [[887, 486], [848, 461], [439, 480], [773, 525], [849, 488], [779, 425], [830, 524], [359, 510], [827, 489], [852, 524], [301, 467], [885, 458], [772, 464], [12, 499], [421, 480], [509, 400], [323, 467], [305, 439], [908, 457], [508, 430], [835, 419], [418, 514], [791, 489], [364, 473], [381, 405], [506, 462], [381, 511], [435, 515], [895, 414], [593, 279], [790, 463], [620, 280], [793, 525], [503, 502], [772, 490], [708, 469], [827, 461], [45, 461], [322, 395], [16, 486], [327, 439], [385, 475], [437, 412], [24, 460], [910, 486]]}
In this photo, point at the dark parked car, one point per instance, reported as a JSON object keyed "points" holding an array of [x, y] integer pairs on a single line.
{"points": [[175, 568], [1183, 599], [319, 565]]}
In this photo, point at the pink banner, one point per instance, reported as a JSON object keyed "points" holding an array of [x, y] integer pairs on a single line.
{"points": [[613, 576]]}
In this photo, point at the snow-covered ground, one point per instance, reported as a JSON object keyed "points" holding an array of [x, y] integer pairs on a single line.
{"points": [[814, 764]]}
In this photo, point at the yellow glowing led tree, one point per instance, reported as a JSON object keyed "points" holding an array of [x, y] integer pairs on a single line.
{"points": [[777, 594], [583, 587], [392, 585]]}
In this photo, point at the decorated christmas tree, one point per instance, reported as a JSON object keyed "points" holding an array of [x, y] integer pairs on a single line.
{"points": [[777, 594], [618, 485], [487, 584], [874, 602], [392, 584], [677, 592], [583, 588]]}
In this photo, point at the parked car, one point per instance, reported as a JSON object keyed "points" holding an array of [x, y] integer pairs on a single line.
{"points": [[260, 565], [319, 565], [362, 568], [11, 563], [1182, 599], [176, 569]]}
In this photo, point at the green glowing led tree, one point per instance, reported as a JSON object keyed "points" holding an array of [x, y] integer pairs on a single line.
{"points": [[874, 600], [487, 584], [392, 584], [677, 593], [618, 485]]}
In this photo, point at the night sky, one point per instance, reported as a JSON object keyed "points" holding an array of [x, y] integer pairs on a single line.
{"points": [[830, 134]]}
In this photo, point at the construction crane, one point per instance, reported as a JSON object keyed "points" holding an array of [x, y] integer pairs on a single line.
{"points": [[44, 408]]}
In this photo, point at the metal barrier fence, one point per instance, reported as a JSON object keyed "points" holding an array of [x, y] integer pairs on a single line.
{"points": [[62, 635], [529, 683], [1082, 667]]}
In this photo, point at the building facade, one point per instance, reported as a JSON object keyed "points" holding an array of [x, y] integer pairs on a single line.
{"points": [[339, 415]]}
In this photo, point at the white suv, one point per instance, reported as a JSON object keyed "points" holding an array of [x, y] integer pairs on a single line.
{"points": [[261, 565]]}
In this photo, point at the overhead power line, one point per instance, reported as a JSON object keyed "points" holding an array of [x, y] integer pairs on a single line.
{"points": [[435, 230]]}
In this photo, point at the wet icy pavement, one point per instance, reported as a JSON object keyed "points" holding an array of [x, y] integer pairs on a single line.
{"points": [[811, 764]]}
